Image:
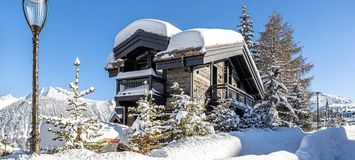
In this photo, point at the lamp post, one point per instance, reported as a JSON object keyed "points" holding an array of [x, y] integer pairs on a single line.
{"points": [[36, 12], [317, 109]]}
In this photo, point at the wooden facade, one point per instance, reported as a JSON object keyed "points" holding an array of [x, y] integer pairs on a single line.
{"points": [[221, 72]]}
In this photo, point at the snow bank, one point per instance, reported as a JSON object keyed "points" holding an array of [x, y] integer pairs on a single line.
{"points": [[208, 147], [148, 25], [280, 155], [264, 141], [81, 154], [113, 133], [202, 37], [328, 144]]}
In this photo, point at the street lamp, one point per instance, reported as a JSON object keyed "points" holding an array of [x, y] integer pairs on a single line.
{"points": [[36, 12], [317, 109]]}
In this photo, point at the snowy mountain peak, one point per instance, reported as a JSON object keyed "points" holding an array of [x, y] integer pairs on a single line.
{"points": [[333, 100], [5, 97], [52, 92], [7, 100]]}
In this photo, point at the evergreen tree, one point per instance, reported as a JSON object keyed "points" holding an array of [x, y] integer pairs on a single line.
{"points": [[146, 131], [223, 117], [188, 117], [77, 131], [246, 29], [274, 110], [280, 55]]}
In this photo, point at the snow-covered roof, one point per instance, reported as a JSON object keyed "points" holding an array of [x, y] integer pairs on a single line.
{"points": [[203, 37], [139, 73], [109, 60], [149, 25]]}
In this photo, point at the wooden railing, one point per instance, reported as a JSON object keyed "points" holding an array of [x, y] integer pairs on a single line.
{"points": [[150, 82], [227, 91]]}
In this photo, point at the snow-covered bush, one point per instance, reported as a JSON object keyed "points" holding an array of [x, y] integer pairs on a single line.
{"points": [[6, 148], [76, 131], [146, 130], [188, 117], [223, 117]]}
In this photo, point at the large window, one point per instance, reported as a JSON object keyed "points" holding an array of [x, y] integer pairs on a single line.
{"points": [[141, 62]]}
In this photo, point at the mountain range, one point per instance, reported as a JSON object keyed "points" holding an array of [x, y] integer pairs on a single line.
{"points": [[336, 102], [15, 113]]}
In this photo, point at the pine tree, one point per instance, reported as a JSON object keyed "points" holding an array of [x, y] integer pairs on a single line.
{"points": [[275, 110], [246, 29], [300, 102], [280, 55], [146, 131], [77, 131], [188, 117], [223, 117]]}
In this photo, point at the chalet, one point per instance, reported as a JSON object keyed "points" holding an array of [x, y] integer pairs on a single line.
{"points": [[150, 55]]}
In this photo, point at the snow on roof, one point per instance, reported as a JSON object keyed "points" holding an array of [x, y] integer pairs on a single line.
{"points": [[148, 25], [139, 73], [109, 60], [202, 37]]}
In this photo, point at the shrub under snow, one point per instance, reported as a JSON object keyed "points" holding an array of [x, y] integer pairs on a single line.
{"points": [[146, 130], [188, 117]]}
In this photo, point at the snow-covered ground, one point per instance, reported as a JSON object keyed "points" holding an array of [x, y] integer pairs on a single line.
{"points": [[15, 118], [251, 144]]}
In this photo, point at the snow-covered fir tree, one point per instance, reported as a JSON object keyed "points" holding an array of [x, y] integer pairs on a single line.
{"points": [[274, 110], [146, 130], [223, 117], [280, 52], [246, 29], [188, 117], [300, 102], [77, 131]]}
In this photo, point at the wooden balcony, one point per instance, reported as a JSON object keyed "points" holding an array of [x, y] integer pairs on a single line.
{"points": [[131, 88], [240, 99]]}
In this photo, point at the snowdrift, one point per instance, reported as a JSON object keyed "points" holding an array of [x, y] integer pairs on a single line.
{"points": [[251, 144], [217, 146], [264, 141], [328, 144]]}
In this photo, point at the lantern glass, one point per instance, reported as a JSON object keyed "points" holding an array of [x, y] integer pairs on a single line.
{"points": [[35, 12]]}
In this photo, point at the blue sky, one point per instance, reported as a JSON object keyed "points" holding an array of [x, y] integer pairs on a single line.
{"points": [[87, 28]]}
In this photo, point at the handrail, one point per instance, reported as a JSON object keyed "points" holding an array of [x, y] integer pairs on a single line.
{"points": [[230, 92], [149, 80]]}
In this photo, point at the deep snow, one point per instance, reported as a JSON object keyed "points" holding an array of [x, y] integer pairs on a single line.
{"points": [[203, 37], [149, 25], [258, 144]]}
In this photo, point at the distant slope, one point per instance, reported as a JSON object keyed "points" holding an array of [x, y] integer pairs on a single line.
{"points": [[15, 118], [7, 100], [333, 100]]}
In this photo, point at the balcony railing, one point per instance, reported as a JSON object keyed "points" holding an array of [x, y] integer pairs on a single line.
{"points": [[227, 91], [137, 85]]}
